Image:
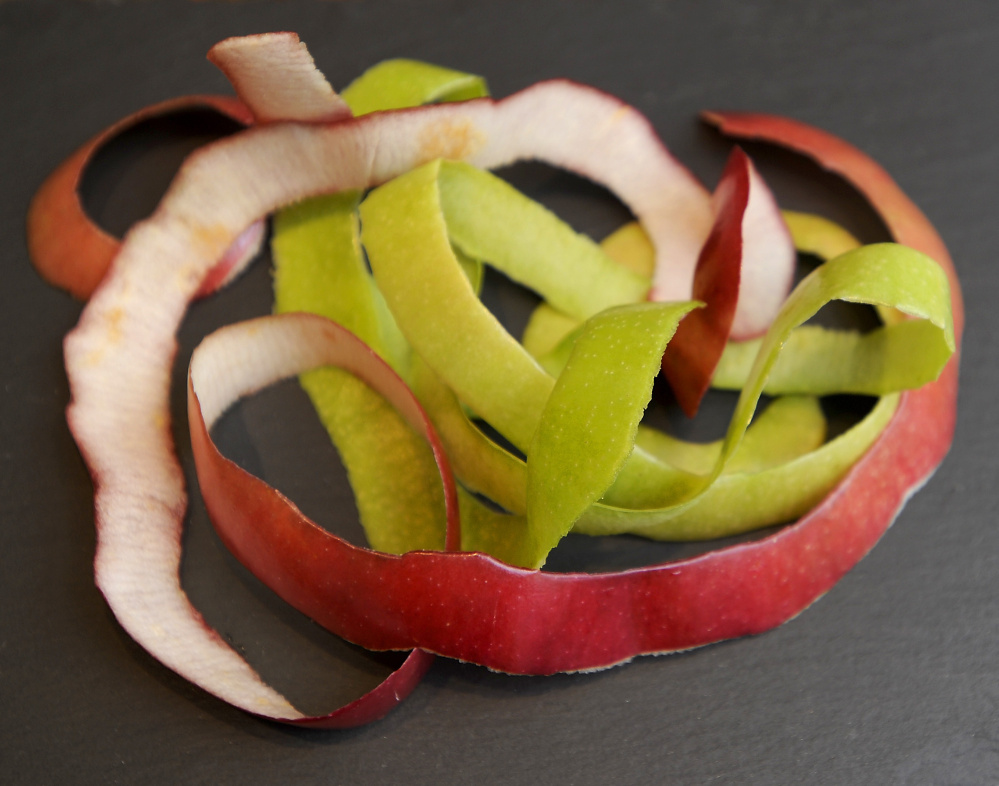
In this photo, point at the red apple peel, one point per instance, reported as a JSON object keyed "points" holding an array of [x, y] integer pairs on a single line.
{"points": [[907, 224], [691, 357], [728, 593], [243, 358]]}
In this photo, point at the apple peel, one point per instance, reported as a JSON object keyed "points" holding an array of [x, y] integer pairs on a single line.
{"points": [[406, 235], [71, 252], [472, 607], [690, 359], [907, 224], [318, 268], [276, 77], [243, 358]]}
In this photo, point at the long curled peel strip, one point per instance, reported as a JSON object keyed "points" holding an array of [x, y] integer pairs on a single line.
{"points": [[241, 359]]}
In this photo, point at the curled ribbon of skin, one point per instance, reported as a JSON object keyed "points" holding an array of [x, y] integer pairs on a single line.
{"points": [[73, 253]]}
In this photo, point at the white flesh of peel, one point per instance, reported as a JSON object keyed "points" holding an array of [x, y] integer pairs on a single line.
{"points": [[768, 261], [276, 77], [766, 270], [119, 357]]}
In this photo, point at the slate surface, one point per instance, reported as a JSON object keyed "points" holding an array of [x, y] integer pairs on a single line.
{"points": [[892, 678]]}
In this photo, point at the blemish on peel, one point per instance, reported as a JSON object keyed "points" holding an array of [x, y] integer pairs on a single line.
{"points": [[115, 318], [212, 234], [620, 114], [456, 138]]}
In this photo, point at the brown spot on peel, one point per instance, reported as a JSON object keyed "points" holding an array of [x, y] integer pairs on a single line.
{"points": [[451, 138]]}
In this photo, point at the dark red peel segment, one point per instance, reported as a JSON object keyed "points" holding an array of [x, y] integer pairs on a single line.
{"points": [[378, 702], [68, 249], [906, 222], [692, 355], [471, 607]]}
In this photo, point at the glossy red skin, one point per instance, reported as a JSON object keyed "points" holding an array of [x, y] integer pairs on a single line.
{"points": [[694, 351], [376, 703], [474, 608], [67, 248]]}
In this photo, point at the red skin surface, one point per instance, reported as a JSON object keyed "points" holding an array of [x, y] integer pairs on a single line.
{"points": [[692, 355], [70, 251], [471, 607]]}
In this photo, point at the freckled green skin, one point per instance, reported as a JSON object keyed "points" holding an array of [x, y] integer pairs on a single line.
{"points": [[588, 426], [424, 277], [319, 269], [406, 235]]}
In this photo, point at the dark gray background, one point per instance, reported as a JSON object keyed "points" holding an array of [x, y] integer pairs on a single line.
{"points": [[892, 678]]}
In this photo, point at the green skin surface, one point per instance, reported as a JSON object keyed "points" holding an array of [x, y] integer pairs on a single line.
{"points": [[424, 233], [884, 274], [401, 83], [784, 472], [406, 237], [318, 268]]}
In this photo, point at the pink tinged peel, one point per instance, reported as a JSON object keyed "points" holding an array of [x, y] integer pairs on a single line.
{"points": [[276, 77], [768, 256], [690, 358], [768, 261], [71, 252]]}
